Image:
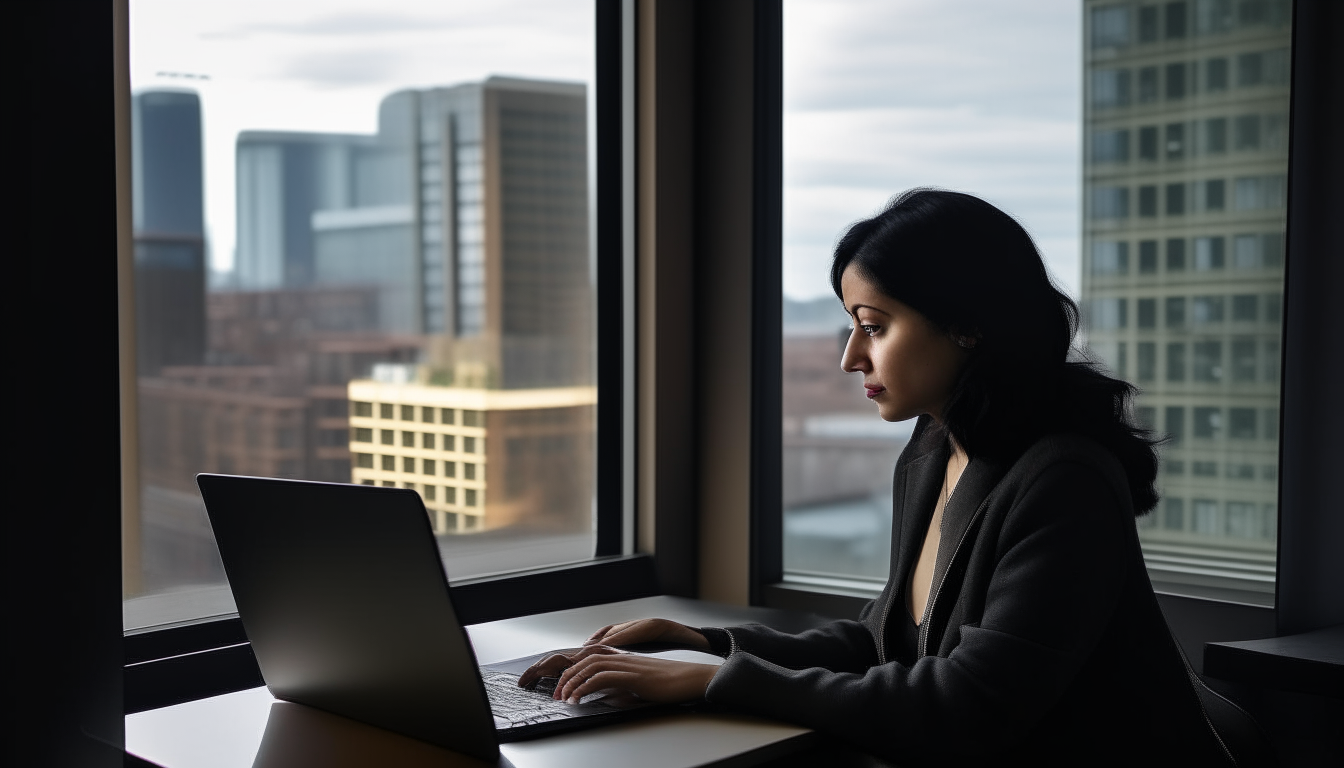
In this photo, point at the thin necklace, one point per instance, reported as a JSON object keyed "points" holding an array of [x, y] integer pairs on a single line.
{"points": [[947, 494]]}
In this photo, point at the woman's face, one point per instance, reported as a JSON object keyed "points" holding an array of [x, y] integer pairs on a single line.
{"points": [[909, 366]]}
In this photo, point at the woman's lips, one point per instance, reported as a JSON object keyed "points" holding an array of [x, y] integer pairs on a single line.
{"points": [[874, 391]]}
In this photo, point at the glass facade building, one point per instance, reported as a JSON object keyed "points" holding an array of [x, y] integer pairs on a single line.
{"points": [[468, 210], [452, 243], [169, 228], [1186, 156]]}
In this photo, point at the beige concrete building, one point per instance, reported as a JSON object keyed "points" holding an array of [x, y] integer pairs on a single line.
{"points": [[480, 458], [1184, 176]]}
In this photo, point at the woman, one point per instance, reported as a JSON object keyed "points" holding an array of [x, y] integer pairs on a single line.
{"points": [[1018, 624]]}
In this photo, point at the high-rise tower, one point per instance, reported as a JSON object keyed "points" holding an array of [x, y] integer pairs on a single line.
{"points": [[169, 228], [282, 178], [468, 210], [1186, 141]]}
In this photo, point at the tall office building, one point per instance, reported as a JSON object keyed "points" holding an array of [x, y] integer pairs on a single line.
{"points": [[517, 290], [1186, 142], [468, 210], [169, 228], [282, 178]]}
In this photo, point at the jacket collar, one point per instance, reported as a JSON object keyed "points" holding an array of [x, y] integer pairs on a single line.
{"points": [[977, 480], [922, 482]]}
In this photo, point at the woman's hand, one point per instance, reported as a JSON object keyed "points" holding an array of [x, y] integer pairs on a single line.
{"points": [[554, 664], [648, 631], [651, 679], [598, 665]]}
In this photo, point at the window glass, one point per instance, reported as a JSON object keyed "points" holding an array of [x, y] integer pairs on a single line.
{"points": [[1174, 118], [353, 220], [883, 96], [1220, 178]]}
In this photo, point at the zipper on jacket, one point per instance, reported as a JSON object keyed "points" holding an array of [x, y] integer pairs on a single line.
{"points": [[923, 649], [1195, 683], [882, 630]]}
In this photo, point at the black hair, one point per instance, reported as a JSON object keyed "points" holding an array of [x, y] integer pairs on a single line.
{"points": [[974, 272]]}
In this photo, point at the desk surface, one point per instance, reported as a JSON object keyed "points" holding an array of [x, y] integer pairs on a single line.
{"points": [[252, 728], [1311, 662]]}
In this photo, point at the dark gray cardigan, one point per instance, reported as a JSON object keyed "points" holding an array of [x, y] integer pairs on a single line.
{"points": [[1043, 642]]}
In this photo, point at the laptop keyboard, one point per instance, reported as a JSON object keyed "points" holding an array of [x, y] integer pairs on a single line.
{"points": [[518, 705]]}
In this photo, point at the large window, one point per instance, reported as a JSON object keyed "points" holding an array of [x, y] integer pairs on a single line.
{"points": [[363, 253], [879, 98], [1175, 122]]}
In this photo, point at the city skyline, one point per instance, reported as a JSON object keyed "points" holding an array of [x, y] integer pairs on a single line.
{"points": [[453, 242], [1007, 131], [441, 284], [324, 67]]}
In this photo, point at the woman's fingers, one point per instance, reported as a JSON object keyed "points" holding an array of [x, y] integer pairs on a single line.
{"points": [[597, 636], [646, 677], [648, 631], [556, 663], [550, 666], [600, 680], [579, 673], [615, 634], [606, 634]]}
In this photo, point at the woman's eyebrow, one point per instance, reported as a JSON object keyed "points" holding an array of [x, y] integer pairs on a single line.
{"points": [[857, 307]]}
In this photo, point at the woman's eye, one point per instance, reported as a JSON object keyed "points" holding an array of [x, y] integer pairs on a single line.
{"points": [[871, 330]]}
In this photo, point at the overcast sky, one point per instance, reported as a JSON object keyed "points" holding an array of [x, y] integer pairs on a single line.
{"points": [[981, 96]]}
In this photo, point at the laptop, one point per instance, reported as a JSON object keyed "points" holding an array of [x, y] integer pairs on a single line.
{"points": [[343, 596]]}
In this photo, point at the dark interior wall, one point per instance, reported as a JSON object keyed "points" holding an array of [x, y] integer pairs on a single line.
{"points": [[1311, 527], [63, 529], [62, 554]]}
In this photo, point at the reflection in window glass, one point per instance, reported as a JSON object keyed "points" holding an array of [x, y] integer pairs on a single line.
{"points": [[354, 220], [1226, 89], [883, 96], [1177, 266]]}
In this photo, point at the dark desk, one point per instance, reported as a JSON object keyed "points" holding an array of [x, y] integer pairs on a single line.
{"points": [[253, 728], [1312, 662]]}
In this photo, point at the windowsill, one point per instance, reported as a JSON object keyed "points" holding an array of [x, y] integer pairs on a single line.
{"points": [[191, 659], [853, 586], [179, 607], [833, 596], [503, 556]]}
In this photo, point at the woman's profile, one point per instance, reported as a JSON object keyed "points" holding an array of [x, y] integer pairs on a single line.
{"points": [[1018, 624]]}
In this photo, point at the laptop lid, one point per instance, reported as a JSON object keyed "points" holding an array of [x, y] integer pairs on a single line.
{"points": [[344, 599]]}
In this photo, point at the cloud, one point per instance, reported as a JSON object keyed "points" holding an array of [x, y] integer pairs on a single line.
{"points": [[1001, 57], [980, 96], [327, 19], [1029, 166], [341, 68], [361, 24]]}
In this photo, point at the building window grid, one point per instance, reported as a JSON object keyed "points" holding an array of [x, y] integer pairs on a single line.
{"points": [[452, 508], [1214, 158]]}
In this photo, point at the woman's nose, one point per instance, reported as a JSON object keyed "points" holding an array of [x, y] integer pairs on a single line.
{"points": [[852, 360]]}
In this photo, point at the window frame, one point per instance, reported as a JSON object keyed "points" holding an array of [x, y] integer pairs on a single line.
{"points": [[207, 656], [68, 617], [1306, 527]]}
